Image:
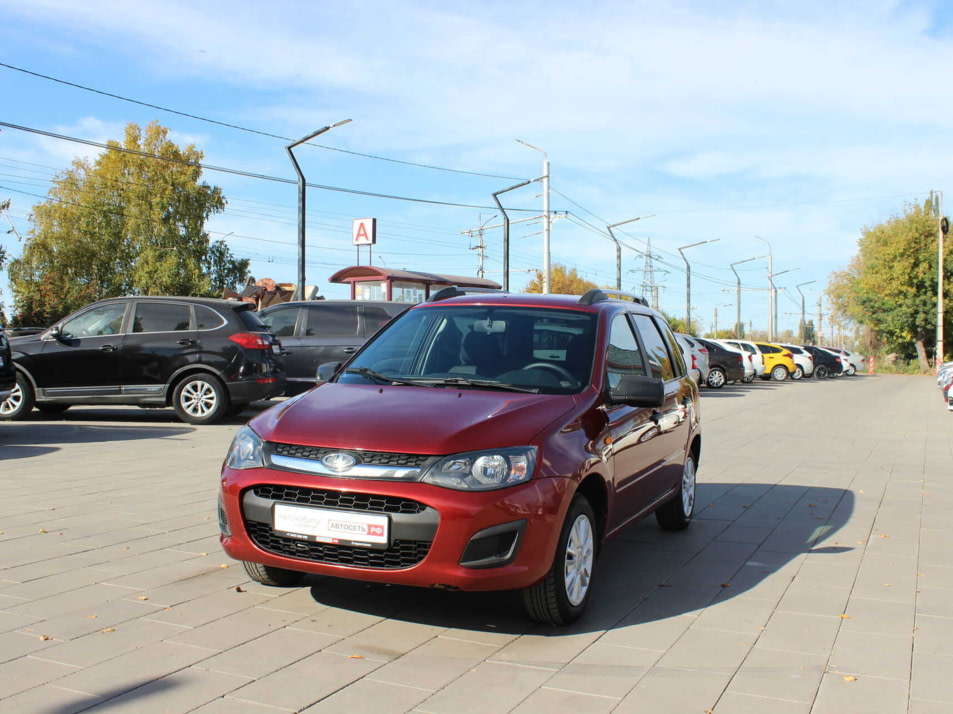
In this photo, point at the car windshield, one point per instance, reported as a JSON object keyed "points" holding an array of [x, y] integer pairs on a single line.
{"points": [[545, 350]]}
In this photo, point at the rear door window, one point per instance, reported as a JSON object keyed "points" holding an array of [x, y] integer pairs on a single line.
{"points": [[281, 321], [161, 317], [332, 321]]}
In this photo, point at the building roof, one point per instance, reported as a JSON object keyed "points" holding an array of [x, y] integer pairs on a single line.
{"points": [[358, 273]]}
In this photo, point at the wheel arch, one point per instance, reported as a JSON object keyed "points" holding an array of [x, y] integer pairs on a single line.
{"points": [[186, 372], [594, 488]]}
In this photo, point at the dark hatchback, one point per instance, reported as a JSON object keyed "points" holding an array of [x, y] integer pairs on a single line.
{"points": [[205, 357], [318, 331], [724, 365], [8, 375], [826, 364]]}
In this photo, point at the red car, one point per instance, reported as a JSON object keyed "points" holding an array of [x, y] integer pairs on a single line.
{"points": [[480, 441]]}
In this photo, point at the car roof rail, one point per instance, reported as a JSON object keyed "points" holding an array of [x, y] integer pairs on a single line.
{"points": [[456, 291], [599, 294]]}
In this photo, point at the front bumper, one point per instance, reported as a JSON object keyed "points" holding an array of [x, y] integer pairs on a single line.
{"points": [[438, 537]]}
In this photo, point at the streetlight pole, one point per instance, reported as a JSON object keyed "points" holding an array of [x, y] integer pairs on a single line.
{"points": [[688, 283], [770, 290], [944, 226], [546, 223], [738, 293], [506, 232], [302, 190], [803, 318], [618, 248], [774, 302]]}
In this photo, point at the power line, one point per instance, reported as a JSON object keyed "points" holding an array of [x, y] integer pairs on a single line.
{"points": [[250, 131]]}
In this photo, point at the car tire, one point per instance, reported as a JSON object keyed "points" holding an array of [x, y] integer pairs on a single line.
{"points": [[52, 408], [561, 596], [20, 402], [798, 373], [275, 577], [822, 371], [716, 378], [200, 399], [676, 513], [779, 373], [851, 371], [748, 378]]}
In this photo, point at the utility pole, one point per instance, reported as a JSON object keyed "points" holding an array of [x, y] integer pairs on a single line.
{"points": [[546, 222], [770, 290], [481, 246], [738, 293], [803, 326], [943, 228], [618, 248], [820, 322], [688, 283]]}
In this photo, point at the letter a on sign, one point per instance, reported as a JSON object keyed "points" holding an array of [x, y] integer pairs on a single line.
{"points": [[364, 231]]}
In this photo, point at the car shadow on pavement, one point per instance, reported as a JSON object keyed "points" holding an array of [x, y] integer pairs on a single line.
{"points": [[20, 440], [747, 539]]}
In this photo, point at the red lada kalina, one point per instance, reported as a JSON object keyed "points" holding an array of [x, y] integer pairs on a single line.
{"points": [[481, 441]]}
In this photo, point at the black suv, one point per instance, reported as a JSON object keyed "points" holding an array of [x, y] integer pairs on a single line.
{"points": [[724, 365], [8, 375], [319, 331], [207, 358]]}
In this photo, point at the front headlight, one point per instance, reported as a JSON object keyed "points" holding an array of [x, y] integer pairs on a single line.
{"points": [[245, 451], [483, 470]]}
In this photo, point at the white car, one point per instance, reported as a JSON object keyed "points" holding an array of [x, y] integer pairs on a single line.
{"points": [[692, 358], [700, 354], [853, 362], [749, 348], [803, 361]]}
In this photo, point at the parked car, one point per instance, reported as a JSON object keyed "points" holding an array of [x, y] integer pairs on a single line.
{"points": [[757, 358], [803, 362], [699, 355], [852, 361], [778, 362], [448, 454], [206, 358], [826, 364], [316, 331], [724, 365], [8, 375]]}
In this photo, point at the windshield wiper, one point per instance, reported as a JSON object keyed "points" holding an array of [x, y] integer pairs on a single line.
{"points": [[382, 378], [487, 384]]}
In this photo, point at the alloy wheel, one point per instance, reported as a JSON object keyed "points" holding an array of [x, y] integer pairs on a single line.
{"points": [[580, 553]]}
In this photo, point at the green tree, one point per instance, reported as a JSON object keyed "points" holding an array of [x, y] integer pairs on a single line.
{"points": [[562, 280], [127, 223], [890, 285]]}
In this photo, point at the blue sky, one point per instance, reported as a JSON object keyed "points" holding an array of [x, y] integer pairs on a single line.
{"points": [[800, 123]]}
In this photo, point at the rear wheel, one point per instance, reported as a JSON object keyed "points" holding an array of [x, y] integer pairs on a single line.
{"points": [[561, 596], [716, 378], [851, 370], [779, 373], [798, 372], [276, 577], [200, 399], [676, 513], [20, 402], [822, 371]]}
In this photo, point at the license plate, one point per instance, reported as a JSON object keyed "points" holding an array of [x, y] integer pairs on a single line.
{"points": [[336, 527], [276, 349]]}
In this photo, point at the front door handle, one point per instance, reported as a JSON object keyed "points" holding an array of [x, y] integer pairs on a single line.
{"points": [[107, 348], [349, 350], [186, 343]]}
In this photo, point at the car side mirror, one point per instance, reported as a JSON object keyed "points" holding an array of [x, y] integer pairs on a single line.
{"points": [[638, 391], [55, 333], [327, 370]]}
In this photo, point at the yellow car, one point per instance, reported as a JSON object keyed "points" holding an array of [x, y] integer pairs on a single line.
{"points": [[778, 362]]}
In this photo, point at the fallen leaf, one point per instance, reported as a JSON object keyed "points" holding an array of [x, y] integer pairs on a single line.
{"points": [[356, 656], [850, 678], [845, 617], [239, 589], [884, 536], [44, 638], [726, 585], [203, 554], [108, 629], [223, 565], [745, 506], [92, 617], [812, 505], [142, 597], [921, 575], [42, 530]]}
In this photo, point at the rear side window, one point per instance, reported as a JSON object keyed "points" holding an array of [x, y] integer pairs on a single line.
{"points": [[768, 349], [281, 321], [206, 318], [332, 321], [161, 317], [656, 347], [624, 356], [374, 319]]}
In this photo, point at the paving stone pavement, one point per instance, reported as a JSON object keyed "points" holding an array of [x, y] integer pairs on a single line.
{"points": [[817, 577]]}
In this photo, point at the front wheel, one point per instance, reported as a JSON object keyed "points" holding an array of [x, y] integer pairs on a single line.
{"points": [[275, 577], [779, 373], [200, 399], [851, 371], [561, 596], [716, 378], [18, 405], [676, 513], [822, 371]]}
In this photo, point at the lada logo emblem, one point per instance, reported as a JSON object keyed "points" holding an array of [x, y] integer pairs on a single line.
{"points": [[338, 461]]}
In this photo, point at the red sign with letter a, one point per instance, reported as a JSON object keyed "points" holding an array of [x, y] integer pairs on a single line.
{"points": [[364, 231]]}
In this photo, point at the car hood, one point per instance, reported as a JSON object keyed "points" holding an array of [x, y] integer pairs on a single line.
{"points": [[422, 420]]}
